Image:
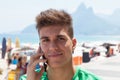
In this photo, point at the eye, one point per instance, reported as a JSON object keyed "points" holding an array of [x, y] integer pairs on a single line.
{"points": [[61, 38], [45, 40]]}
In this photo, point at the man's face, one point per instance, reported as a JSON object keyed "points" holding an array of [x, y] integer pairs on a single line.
{"points": [[56, 45]]}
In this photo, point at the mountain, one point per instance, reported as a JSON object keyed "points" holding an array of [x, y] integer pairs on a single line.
{"points": [[113, 18], [30, 29], [87, 23]]}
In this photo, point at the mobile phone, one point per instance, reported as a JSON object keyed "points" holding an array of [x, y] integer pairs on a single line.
{"points": [[44, 64]]}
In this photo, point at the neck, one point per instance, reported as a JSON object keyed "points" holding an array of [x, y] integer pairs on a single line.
{"points": [[62, 73]]}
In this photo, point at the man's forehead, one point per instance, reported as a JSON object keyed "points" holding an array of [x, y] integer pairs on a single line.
{"points": [[53, 31], [48, 36]]}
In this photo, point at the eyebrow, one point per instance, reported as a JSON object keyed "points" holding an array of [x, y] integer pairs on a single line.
{"points": [[44, 37], [60, 36]]}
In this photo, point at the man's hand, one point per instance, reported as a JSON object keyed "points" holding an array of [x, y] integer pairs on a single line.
{"points": [[34, 60]]}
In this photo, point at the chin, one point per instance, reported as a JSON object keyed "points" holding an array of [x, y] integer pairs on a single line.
{"points": [[55, 65]]}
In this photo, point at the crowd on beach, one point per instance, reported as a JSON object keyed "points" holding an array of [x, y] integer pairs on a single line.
{"points": [[18, 57], [17, 61]]}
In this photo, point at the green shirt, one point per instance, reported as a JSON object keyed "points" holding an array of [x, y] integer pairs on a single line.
{"points": [[80, 74]]}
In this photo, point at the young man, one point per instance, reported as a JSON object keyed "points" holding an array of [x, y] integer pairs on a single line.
{"points": [[57, 45]]}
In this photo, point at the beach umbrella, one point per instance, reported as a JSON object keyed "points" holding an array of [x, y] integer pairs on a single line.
{"points": [[108, 44], [26, 48], [17, 43], [3, 47], [9, 43]]}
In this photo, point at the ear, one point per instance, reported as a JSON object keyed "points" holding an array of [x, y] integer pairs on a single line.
{"points": [[74, 42]]}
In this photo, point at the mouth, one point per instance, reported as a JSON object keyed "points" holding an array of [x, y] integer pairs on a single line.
{"points": [[55, 54]]}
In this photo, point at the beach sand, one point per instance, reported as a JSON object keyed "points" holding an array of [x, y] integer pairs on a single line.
{"points": [[105, 67], [108, 68]]}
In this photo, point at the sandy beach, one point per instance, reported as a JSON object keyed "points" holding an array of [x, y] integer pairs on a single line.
{"points": [[105, 67]]}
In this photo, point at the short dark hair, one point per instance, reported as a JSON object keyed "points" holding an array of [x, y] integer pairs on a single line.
{"points": [[54, 17]]}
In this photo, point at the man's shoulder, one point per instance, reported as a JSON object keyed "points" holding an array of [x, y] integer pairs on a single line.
{"points": [[82, 74], [43, 77], [23, 77]]}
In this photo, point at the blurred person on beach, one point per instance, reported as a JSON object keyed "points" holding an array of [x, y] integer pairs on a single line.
{"points": [[107, 52], [21, 66], [9, 57], [119, 47], [92, 53], [57, 44], [15, 58], [14, 73]]}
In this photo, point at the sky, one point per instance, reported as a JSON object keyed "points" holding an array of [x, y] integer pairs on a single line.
{"points": [[15, 15]]}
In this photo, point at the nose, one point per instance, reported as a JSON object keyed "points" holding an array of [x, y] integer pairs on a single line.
{"points": [[53, 46]]}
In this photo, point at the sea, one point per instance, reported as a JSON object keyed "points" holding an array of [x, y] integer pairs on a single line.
{"points": [[34, 38]]}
